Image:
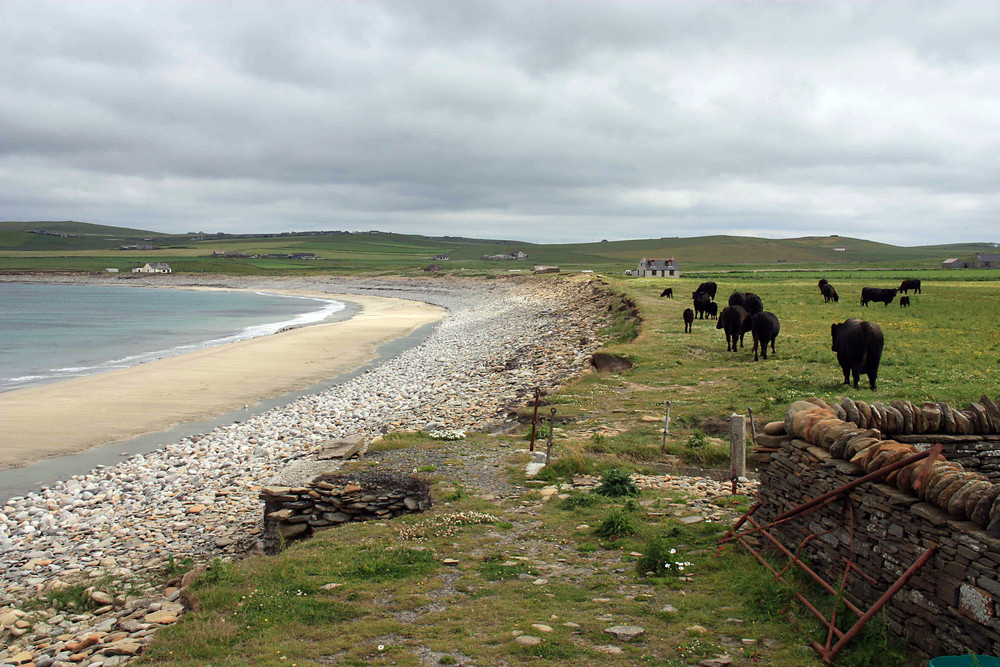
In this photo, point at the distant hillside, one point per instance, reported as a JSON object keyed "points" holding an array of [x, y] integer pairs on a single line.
{"points": [[81, 246], [71, 227]]}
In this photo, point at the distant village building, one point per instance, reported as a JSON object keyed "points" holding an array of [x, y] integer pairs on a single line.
{"points": [[303, 255], [137, 246], [651, 268], [546, 269], [230, 254], [154, 267], [984, 261], [440, 258], [840, 249], [953, 263], [109, 270], [516, 255]]}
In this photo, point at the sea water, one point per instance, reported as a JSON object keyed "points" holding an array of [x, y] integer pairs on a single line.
{"points": [[55, 332]]}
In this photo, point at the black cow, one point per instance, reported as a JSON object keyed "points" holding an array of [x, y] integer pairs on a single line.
{"points": [[708, 288], [753, 304], [701, 301], [829, 294], [858, 345], [688, 319], [877, 295], [738, 299], [904, 302], [822, 281], [764, 328], [713, 310], [734, 321], [910, 284], [669, 292]]}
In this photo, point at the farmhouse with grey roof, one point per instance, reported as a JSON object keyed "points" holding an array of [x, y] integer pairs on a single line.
{"points": [[666, 268]]}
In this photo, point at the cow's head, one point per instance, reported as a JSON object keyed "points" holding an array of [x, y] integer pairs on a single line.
{"points": [[834, 328]]}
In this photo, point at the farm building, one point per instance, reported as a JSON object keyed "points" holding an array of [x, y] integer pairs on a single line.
{"points": [[154, 267], [666, 268], [953, 263], [440, 258], [987, 262], [541, 268]]}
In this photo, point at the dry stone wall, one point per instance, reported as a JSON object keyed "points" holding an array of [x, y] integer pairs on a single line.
{"points": [[333, 499], [950, 605]]}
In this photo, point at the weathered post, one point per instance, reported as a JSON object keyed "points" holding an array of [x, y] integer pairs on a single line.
{"points": [[666, 429], [534, 422], [552, 428], [738, 447]]}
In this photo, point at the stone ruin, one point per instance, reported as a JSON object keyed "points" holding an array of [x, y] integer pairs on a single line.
{"points": [[333, 498], [950, 605]]}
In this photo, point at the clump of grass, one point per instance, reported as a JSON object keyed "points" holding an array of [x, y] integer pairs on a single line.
{"points": [[427, 468], [71, 597], [616, 524], [493, 568], [581, 499], [567, 467], [659, 557], [617, 483], [392, 564]]}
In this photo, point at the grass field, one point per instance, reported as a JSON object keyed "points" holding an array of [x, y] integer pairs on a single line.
{"points": [[95, 247]]}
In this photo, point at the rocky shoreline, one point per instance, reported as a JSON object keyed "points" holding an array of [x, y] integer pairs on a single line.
{"points": [[198, 498]]}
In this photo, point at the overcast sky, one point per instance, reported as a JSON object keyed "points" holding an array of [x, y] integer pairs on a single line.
{"points": [[541, 121]]}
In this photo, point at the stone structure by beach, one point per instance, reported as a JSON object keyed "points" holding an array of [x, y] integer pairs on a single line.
{"points": [[198, 498]]}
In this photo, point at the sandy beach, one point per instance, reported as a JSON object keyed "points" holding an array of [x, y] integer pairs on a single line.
{"points": [[75, 415]]}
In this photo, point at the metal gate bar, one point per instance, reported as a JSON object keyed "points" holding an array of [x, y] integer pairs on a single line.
{"points": [[830, 650]]}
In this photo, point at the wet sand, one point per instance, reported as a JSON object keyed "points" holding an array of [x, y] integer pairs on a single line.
{"points": [[75, 415]]}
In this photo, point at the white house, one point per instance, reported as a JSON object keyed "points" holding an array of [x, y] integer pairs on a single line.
{"points": [[154, 267], [666, 268]]}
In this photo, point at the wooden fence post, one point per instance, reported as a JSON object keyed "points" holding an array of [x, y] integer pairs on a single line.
{"points": [[666, 429], [738, 445]]}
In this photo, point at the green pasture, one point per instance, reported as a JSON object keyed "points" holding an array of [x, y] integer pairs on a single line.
{"points": [[944, 347]]}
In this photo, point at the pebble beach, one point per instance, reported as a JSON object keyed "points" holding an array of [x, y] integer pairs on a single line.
{"points": [[198, 498]]}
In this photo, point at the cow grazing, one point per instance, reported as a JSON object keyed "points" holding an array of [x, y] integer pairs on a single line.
{"points": [[753, 304], [858, 345], [708, 288], [701, 301], [910, 284], [764, 328], [829, 294], [877, 295], [738, 299], [713, 310], [734, 321], [669, 293], [904, 302], [688, 320]]}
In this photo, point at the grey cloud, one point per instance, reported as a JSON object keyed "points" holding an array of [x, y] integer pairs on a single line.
{"points": [[561, 120]]}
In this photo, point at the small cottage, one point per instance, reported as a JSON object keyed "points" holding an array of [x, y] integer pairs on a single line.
{"points": [[440, 258], [153, 267], [953, 263], [664, 268], [984, 261]]}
